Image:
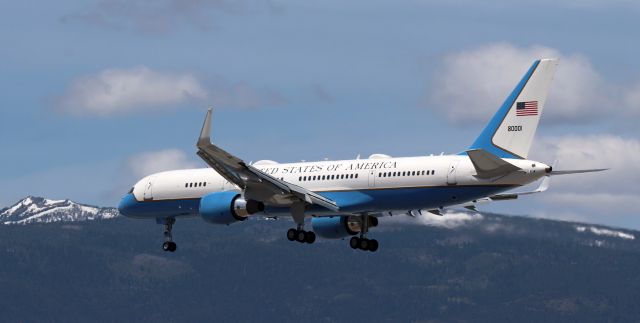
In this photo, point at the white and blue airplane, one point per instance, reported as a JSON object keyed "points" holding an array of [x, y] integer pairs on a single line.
{"points": [[345, 198]]}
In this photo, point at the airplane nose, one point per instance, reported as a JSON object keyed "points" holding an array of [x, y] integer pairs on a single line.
{"points": [[126, 204]]}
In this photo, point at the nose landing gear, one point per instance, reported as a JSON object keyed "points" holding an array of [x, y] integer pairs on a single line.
{"points": [[168, 244]]}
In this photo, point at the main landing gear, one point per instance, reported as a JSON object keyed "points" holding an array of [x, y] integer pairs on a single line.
{"points": [[362, 242], [168, 244], [299, 234]]}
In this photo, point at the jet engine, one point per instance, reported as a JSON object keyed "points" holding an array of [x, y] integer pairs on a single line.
{"points": [[337, 227], [227, 207]]}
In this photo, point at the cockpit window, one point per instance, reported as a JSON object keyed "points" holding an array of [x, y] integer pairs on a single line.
{"points": [[130, 191]]}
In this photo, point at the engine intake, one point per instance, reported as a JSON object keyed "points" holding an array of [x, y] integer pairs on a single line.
{"points": [[227, 207]]}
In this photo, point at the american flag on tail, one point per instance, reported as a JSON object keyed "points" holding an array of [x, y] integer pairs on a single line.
{"points": [[527, 108]]}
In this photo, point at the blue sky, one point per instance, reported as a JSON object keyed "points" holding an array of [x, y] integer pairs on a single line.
{"points": [[92, 90]]}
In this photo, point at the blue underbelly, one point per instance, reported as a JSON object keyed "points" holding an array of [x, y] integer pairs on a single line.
{"points": [[366, 200]]}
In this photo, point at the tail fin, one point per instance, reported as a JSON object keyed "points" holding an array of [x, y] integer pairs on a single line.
{"points": [[510, 132]]}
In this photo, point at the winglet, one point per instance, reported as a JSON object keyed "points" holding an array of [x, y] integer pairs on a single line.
{"points": [[205, 133]]}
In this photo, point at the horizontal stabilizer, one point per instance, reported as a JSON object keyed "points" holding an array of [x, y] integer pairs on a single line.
{"points": [[578, 171], [488, 165]]}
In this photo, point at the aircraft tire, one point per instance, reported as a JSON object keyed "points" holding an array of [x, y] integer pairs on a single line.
{"points": [[373, 245], [354, 242], [291, 234], [364, 244], [301, 236], [310, 238]]}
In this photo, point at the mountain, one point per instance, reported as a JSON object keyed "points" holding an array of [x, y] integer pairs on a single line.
{"points": [[33, 209], [456, 268]]}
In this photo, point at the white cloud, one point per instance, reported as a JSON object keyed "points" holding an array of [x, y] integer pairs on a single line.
{"points": [[449, 220], [608, 197], [471, 85], [620, 155], [146, 163], [119, 91], [114, 91]]}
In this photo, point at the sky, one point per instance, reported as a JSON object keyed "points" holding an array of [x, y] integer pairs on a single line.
{"points": [[97, 94]]}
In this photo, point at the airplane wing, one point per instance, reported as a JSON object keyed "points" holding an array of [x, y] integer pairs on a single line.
{"points": [[235, 170]]}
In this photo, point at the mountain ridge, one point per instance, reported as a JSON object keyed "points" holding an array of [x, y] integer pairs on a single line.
{"points": [[34, 209]]}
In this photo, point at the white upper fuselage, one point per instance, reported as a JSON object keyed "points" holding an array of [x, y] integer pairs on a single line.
{"points": [[449, 171]]}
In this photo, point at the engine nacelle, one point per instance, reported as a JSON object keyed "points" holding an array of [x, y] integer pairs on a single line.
{"points": [[227, 207], [336, 227]]}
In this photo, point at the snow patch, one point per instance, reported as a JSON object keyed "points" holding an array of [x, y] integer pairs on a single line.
{"points": [[606, 232]]}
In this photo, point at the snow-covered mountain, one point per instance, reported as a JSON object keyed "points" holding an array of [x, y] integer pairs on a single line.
{"points": [[40, 210]]}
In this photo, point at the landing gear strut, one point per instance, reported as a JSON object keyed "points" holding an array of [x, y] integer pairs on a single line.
{"points": [[362, 242], [299, 234], [168, 244]]}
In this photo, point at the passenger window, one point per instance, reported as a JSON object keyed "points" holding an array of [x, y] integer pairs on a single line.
{"points": [[433, 172], [186, 184], [422, 172], [205, 184], [356, 175]]}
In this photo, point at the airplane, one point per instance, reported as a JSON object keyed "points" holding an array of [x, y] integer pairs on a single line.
{"points": [[345, 198]]}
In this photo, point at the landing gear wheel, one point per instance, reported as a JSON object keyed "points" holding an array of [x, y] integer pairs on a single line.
{"points": [[301, 235], [364, 244], [291, 234], [373, 245], [169, 246], [354, 242], [310, 238]]}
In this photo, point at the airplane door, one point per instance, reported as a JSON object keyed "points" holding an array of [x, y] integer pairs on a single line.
{"points": [[372, 178], [451, 173], [148, 190]]}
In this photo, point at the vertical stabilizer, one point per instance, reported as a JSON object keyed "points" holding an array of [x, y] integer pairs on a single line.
{"points": [[510, 132]]}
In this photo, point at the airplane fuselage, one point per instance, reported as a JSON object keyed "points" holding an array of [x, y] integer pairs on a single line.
{"points": [[357, 186]]}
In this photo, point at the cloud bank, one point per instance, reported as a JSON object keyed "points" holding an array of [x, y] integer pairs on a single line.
{"points": [[593, 196], [471, 85], [119, 91], [115, 91], [146, 163]]}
